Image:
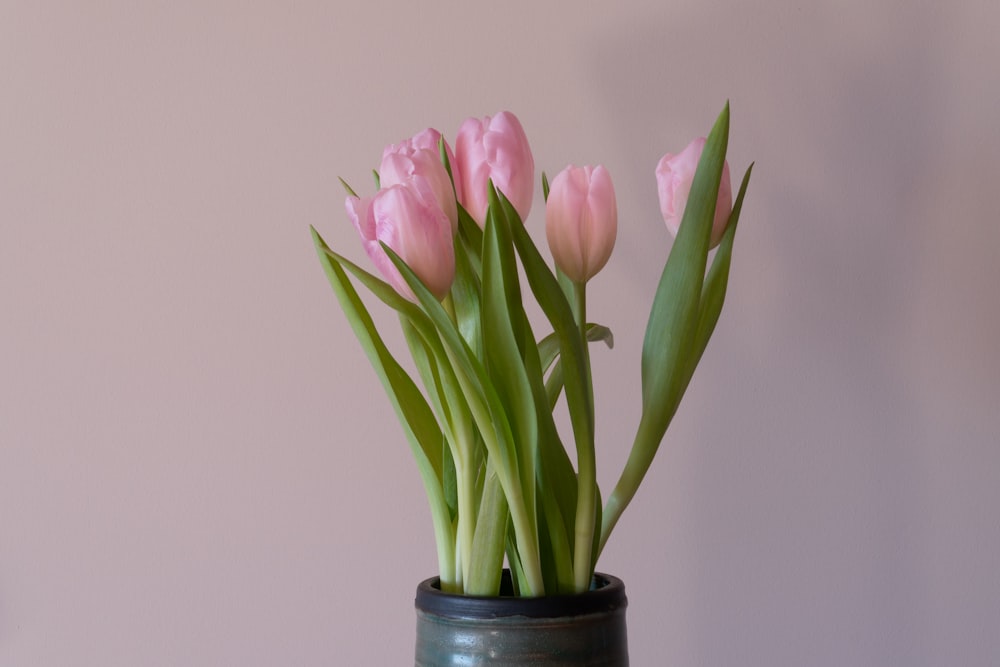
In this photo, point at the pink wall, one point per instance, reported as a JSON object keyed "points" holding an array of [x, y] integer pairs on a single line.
{"points": [[197, 466]]}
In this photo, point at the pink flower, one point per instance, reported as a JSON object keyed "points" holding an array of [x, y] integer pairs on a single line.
{"points": [[415, 227], [417, 162], [581, 220], [494, 148], [674, 175]]}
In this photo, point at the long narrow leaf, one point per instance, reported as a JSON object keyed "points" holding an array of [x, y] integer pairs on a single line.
{"points": [[503, 335], [481, 394], [489, 542], [381, 289], [486, 408], [557, 309], [714, 293], [465, 296], [674, 315], [672, 333], [415, 416], [552, 300], [416, 318], [552, 470], [430, 374], [471, 237]]}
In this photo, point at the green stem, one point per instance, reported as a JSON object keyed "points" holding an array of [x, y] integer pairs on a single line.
{"points": [[586, 506], [639, 460]]}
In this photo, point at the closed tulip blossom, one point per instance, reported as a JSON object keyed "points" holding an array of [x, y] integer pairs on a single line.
{"points": [[674, 176], [419, 159], [581, 221], [415, 227], [494, 149]]}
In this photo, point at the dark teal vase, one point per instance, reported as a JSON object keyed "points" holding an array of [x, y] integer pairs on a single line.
{"points": [[584, 630]]}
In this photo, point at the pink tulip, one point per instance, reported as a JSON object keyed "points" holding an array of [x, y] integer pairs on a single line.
{"points": [[415, 227], [494, 148], [674, 175], [417, 162], [581, 220]]}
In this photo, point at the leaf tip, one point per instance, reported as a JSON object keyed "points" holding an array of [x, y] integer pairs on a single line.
{"points": [[347, 187]]}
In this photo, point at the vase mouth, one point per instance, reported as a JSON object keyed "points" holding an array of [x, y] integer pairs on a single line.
{"points": [[607, 594]]}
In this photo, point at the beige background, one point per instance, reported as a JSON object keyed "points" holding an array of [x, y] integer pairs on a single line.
{"points": [[197, 466]]}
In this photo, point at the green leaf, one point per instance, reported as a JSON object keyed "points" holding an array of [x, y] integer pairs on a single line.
{"points": [[381, 289], [504, 340], [406, 397], [449, 485], [557, 494], [685, 309], [548, 347], [674, 315], [488, 412], [415, 317], [471, 237], [347, 187], [554, 385], [553, 302], [444, 406], [489, 542], [415, 416], [714, 293], [479, 391], [443, 154], [466, 294], [550, 296]]}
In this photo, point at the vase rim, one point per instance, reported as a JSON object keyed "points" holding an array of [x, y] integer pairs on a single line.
{"points": [[607, 594]]}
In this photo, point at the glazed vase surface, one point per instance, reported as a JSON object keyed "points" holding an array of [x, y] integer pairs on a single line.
{"points": [[581, 630]]}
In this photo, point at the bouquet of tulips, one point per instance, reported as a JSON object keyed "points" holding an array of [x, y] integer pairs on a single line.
{"points": [[445, 229]]}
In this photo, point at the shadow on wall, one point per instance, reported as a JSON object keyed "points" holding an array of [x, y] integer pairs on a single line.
{"points": [[858, 346]]}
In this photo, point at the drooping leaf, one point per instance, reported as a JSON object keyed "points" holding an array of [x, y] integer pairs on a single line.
{"points": [[444, 407], [487, 409], [548, 347], [421, 429]]}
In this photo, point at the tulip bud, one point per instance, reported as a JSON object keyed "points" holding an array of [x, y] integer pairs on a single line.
{"points": [[417, 230], [417, 162], [581, 220], [494, 149], [674, 175]]}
